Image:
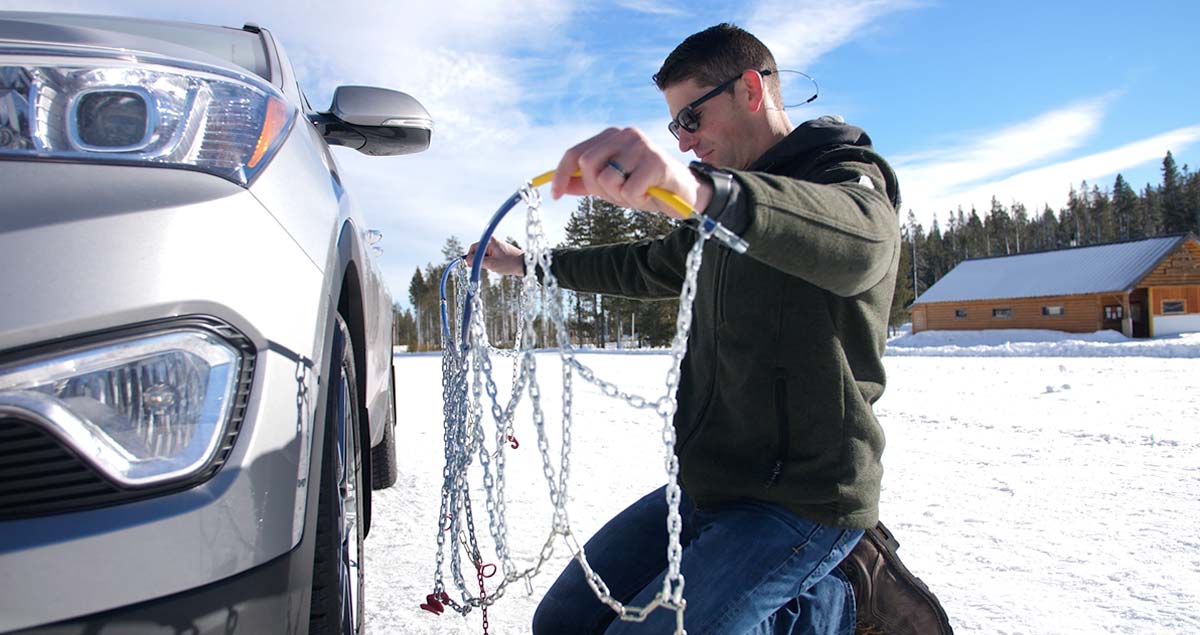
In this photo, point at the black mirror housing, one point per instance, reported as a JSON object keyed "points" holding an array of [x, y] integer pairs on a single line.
{"points": [[376, 121]]}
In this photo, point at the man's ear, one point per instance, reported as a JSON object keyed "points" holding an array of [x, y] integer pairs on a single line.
{"points": [[755, 90]]}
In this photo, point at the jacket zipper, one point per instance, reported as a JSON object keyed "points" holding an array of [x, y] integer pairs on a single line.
{"points": [[719, 313], [782, 430]]}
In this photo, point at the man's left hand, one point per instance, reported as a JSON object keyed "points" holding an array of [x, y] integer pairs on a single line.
{"points": [[620, 166]]}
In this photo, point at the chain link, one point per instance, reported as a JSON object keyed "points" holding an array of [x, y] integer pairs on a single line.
{"points": [[467, 377]]}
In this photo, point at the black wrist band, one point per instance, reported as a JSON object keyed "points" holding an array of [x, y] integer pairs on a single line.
{"points": [[722, 185]]}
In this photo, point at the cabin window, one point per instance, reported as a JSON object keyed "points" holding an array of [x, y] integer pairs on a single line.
{"points": [[1174, 307], [960, 313], [1053, 311], [1114, 312], [1002, 313]]}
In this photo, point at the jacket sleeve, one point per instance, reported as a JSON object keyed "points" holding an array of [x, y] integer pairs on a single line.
{"points": [[837, 229], [647, 269]]}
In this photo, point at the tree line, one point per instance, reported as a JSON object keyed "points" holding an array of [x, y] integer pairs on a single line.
{"points": [[1092, 215], [591, 319]]}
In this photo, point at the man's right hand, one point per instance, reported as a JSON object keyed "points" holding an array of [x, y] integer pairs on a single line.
{"points": [[500, 257]]}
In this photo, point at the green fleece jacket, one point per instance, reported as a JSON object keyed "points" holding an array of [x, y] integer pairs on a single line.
{"points": [[784, 359]]}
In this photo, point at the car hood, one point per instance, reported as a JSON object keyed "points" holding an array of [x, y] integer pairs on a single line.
{"points": [[89, 31]]}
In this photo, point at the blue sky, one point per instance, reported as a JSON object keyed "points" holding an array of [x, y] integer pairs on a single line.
{"points": [[967, 99]]}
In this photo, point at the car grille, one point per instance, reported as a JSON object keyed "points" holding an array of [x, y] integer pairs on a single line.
{"points": [[40, 476]]}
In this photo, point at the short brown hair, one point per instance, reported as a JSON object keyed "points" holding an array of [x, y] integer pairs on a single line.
{"points": [[714, 56]]}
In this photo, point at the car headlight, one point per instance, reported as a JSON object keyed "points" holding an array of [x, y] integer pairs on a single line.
{"points": [[98, 106], [142, 411]]}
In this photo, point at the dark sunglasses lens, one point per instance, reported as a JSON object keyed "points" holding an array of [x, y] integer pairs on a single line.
{"points": [[688, 120], [674, 128]]}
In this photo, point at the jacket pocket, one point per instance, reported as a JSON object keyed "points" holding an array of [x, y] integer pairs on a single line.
{"points": [[782, 430]]}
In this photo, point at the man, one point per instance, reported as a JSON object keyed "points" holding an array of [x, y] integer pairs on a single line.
{"points": [[779, 448]]}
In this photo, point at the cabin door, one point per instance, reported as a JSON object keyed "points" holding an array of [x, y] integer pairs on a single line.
{"points": [[1141, 326]]}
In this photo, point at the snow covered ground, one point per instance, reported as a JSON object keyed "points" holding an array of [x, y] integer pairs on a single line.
{"points": [[1040, 483]]}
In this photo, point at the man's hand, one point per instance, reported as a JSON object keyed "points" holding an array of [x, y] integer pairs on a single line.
{"points": [[639, 165], [500, 257]]}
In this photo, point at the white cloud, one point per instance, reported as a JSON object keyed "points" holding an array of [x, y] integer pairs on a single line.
{"points": [[946, 171], [798, 33], [1050, 184], [652, 7]]}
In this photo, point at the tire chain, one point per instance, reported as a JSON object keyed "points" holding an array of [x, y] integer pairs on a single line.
{"points": [[464, 431]]}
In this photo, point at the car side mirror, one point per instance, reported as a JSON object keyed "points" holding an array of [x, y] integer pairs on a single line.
{"points": [[375, 121]]}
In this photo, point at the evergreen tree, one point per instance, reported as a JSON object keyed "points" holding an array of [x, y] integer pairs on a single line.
{"points": [[1192, 198], [429, 314], [581, 321], [416, 295], [1101, 212], [1047, 231], [903, 294], [913, 240], [998, 228], [958, 235], [653, 321], [404, 328], [1073, 220], [976, 243], [1020, 228], [1152, 218], [1176, 217], [643, 225], [598, 222], [453, 248], [936, 258], [595, 221], [1126, 210]]}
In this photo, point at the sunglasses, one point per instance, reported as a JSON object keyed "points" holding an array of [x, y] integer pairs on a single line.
{"points": [[688, 119]]}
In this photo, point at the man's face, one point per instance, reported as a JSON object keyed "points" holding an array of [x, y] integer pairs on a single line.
{"points": [[723, 136]]}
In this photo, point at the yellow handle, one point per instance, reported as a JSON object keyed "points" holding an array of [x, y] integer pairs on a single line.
{"points": [[670, 198]]}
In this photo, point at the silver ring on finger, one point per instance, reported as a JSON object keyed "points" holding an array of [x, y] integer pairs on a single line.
{"points": [[620, 170]]}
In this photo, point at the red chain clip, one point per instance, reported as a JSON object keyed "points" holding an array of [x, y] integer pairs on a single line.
{"points": [[513, 443], [433, 605]]}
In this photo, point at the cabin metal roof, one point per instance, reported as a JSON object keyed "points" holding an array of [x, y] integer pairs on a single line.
{"points": [[1113, 267]]}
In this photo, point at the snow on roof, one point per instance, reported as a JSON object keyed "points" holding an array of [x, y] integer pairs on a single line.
{"points": [[1079, 270]]}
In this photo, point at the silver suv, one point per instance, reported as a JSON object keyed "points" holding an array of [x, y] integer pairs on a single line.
{"points": [[195, 339]]}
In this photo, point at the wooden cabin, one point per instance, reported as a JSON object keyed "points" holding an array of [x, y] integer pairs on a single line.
{"points": [[1143, 288]]}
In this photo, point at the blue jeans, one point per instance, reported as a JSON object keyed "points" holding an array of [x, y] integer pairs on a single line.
{"points": [[748, 567]]}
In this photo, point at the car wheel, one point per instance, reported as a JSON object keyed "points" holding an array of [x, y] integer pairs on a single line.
{"points": [[337, 591], [384, 469]]}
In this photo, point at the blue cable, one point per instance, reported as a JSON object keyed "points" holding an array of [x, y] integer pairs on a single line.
{"points": [[446, 338], [476, 268]]}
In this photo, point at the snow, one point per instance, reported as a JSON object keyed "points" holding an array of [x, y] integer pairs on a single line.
{"points": [[1040, 343], [1039, 482]]}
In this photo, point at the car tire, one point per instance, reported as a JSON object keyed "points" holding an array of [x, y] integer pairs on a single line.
{"points": [[384, 469], [338, 583]]}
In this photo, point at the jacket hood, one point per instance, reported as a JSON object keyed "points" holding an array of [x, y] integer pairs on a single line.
{"points": [[813, 134], [820, 135]]}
